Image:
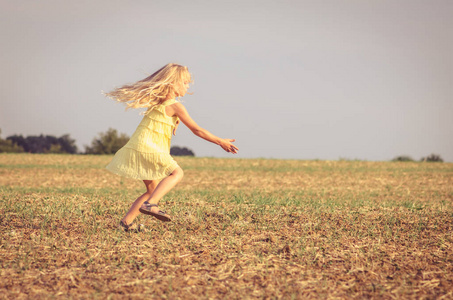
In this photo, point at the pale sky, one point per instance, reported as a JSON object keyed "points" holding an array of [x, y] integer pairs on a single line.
{"points": [[338, 79]]}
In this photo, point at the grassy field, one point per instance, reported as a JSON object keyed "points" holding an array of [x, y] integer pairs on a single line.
{"points": [[241, 229]]}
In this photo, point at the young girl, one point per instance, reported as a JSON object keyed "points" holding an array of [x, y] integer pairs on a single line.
{"points": [[147, 154]]}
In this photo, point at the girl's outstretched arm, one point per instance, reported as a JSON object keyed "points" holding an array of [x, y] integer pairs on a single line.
{"points": [[180, 111]]}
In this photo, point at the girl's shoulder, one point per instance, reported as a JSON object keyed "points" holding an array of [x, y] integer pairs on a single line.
{"points": [[166, 108], [173, 108]]}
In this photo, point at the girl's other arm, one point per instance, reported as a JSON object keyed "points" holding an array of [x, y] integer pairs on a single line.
{"points": [[184, 116]]}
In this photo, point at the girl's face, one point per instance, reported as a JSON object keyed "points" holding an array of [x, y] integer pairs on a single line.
{"points": [[182, 89]]}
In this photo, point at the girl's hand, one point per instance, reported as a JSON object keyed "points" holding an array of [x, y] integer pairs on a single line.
{"points": [[176, 127], [227, 145]]}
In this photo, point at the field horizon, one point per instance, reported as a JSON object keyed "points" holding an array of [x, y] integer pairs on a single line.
{"points": [[241, 229]]}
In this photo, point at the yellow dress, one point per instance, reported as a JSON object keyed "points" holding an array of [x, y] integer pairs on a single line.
{"points": [[146, 155]]}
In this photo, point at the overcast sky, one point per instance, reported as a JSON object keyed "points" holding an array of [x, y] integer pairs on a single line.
{"points": [[335, 79]]}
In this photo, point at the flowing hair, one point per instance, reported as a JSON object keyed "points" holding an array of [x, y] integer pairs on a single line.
{"points": [[154, 89]]}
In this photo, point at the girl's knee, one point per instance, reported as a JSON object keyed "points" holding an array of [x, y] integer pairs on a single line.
{"points": [[178, 173]]}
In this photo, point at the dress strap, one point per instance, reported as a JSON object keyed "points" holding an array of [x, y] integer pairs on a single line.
{"points": [[169, 102]]}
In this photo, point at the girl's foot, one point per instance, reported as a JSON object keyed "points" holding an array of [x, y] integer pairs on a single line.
{"points": [[147, 209], [130, 227]]}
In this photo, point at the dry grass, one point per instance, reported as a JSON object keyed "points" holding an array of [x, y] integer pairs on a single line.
{"points": [[241, 229]]}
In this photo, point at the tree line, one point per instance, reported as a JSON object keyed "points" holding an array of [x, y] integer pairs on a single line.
{"points": [[105, 143]]}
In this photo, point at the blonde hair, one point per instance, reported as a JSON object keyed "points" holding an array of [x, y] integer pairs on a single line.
{"points": [[154, 89]]}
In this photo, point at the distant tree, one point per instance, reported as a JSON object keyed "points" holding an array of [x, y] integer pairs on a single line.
{"points": [[7, 146], [178, 151], [18, 140], [403, 158], [55, 148], [45, 143], [432, 158], [107, 142], [67, 144]]}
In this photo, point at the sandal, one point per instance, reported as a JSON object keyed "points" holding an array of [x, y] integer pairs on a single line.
{"points": [[161, 215], [130, 227]]}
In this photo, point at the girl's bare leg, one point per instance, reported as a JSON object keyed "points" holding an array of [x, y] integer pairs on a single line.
{"points": [[155, 190], [133, 211], [164, 187]]}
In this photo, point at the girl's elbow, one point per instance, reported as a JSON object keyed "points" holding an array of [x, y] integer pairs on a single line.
{"points": [[197, 131], [200, 132]]}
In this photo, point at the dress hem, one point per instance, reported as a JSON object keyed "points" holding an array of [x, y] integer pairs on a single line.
{"points": [[121, 173]]}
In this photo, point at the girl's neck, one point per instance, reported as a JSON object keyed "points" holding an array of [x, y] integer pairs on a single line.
{"points": [[170, 97]]}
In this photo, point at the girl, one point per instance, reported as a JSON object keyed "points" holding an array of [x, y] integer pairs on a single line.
{"points": [[147, 154]]}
